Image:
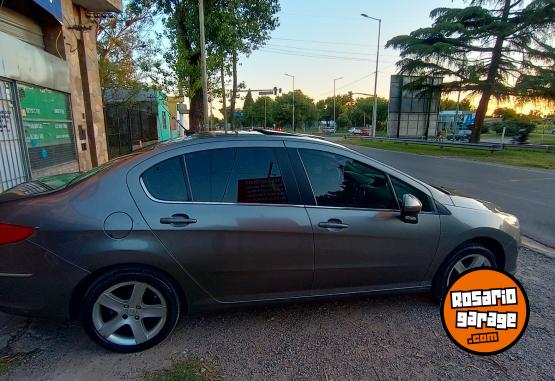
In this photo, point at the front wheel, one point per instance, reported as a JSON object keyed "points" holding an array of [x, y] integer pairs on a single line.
{"points": [[130, 310], [467, 257]]}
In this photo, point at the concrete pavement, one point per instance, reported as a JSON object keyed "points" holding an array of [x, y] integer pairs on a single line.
{"points": [[527, 193]]}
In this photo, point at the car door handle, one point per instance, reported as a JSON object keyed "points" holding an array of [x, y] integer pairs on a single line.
{"points": [[333, 224], [178, 219]]}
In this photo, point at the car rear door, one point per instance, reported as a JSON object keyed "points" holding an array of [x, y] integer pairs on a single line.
{"points": [[231, 215], [360, 241]]}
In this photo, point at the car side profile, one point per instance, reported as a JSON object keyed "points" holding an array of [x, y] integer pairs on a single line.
{"points": [[219, 220]]}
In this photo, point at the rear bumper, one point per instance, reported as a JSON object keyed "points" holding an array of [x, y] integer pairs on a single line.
{"points": [[36, 282]]}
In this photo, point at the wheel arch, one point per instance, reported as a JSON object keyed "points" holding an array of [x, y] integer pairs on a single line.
{"points": [[85, 284]]}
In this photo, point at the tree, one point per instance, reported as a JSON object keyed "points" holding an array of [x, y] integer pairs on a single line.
{"points": [[363, 111], [505, 113], [495, 48], [255, 113], [126, 50], [343, 103], [305, 110], [232, 27], [343, 121], [240, 27], [450, 104]]}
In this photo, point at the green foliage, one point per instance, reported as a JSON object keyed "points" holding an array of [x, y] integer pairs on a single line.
{"points": [[450, 104], [343, 121], [513, 126], [306, 112], [231, 27], [127, 52], [255, 113], [498, 49], [505, 113], [519, 158], [247, 104]]}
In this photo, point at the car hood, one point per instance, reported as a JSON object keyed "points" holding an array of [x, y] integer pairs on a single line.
{"points": [[472, 203]]}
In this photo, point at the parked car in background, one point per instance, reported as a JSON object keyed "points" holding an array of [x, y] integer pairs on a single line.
{"points": [[460, 136], [358, 131], [328, 129], [221, 220]]}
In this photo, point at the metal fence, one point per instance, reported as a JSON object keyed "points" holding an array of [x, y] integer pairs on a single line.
{"points": [[128, 129]]}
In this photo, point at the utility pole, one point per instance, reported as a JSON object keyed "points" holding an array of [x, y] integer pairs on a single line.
{"points": [[203, 62], [264, 112], [334, 124], [375, 116], [292, 76]]}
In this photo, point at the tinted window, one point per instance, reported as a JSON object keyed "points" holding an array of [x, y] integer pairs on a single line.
{"points": [[402, 188], [242, 175], [340, 181], [209, 173], [166, 180]]}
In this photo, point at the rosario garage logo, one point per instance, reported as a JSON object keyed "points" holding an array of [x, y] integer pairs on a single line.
{"points": [[485, 311]]}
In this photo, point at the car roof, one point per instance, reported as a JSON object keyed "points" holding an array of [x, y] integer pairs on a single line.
{"points": [[218, 136]]}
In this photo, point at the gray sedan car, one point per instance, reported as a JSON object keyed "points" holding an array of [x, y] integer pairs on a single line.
{"points": [[224, 220]]}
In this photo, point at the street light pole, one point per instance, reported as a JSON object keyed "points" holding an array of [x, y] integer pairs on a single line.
{"points": [[375, 115], [292, 76], [334, 124], [203, 62]]}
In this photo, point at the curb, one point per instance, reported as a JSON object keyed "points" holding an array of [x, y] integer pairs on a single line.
{"points": [[539, 247]]}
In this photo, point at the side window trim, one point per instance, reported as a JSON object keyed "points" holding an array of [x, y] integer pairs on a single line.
{"points": [[392, 189], [303, 182], [187, 177]]}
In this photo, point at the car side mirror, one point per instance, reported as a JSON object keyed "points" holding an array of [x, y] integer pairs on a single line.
{"points": [[410, 209]]}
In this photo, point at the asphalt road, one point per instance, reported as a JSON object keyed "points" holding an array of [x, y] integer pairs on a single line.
{"points": [[527, 193]]}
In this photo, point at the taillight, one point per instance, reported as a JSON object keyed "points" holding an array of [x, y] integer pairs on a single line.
{"points": [[14, 233]]}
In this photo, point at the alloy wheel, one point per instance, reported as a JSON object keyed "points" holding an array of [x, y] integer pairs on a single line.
{"points": [[129, 313], [466, 263]]}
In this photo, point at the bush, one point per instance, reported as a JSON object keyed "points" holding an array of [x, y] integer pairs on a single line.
{"points": [[513, 126], [485, 129]]}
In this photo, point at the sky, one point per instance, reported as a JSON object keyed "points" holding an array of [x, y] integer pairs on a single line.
{"points": [[319, 40]]}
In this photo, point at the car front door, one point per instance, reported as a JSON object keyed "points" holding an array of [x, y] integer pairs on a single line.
{"points": [[360, 241], [232, 217]]}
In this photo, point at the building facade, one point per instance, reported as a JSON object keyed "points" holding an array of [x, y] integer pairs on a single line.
{"points": [[51, 113]]}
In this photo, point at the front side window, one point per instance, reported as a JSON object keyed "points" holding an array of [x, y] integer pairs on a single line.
{"points": [[236, 175], [343, 182], [166, 180]]}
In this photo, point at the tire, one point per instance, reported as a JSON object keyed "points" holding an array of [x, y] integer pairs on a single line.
{"points": [[130, 310], [447, 273]]}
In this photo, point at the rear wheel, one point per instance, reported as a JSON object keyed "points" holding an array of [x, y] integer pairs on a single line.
{"points": [[467, 257], [130, 310]]}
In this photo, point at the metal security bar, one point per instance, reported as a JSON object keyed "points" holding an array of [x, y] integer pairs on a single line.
{"points": [[13, 163]]}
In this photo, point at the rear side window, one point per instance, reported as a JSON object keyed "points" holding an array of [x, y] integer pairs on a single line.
{"points": [[209, 173], [402, 188], [166, 180], [241, 175], [343, 182]]}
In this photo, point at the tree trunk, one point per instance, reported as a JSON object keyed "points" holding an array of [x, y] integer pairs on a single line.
{"points": [[222, 75], [491, 78], [196, 113], [234, 90]]}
